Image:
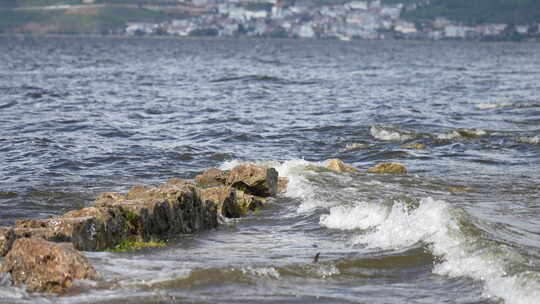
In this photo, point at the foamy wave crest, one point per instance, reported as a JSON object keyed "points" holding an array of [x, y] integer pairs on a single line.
{"points": [[300, 187], [362, 216], [450, 234], [390, 133], [265, 272], [491, 106], [462, 133], [535, 140]]}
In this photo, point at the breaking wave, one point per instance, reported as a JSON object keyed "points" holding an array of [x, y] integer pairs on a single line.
{"points": [[390, 134], [450, 234]]}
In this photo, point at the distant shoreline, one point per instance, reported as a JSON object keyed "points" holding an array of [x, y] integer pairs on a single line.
{"points": [[14, 35]]}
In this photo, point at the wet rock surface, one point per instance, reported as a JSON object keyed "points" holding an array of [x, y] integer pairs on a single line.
{"points": [[388, 168], [45, 266], [338, 166], [257, 180], [42, 253]]}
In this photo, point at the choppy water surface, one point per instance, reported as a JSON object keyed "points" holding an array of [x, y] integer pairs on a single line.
{"points": [[82, 116]]}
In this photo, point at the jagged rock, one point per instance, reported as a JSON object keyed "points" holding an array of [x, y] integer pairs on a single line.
{"points": [[247, 202], [58, 229], [388, 168], [224, 198], [46, 266], [337, 165], [253, 179], [162, 211], [7, 237], [414, 146], [283, 182], [231, 203], [96, 228], [211, 178]]}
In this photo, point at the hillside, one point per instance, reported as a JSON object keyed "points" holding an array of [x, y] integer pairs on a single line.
{"points": [[480, 11]]}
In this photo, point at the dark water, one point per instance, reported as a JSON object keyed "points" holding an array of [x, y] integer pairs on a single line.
{"points": [[81, 116]]}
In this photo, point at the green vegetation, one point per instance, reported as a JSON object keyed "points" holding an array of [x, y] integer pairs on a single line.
{"points": [[14, 19], [25, 3], [480, 11], [103, 20], [132, 244]]}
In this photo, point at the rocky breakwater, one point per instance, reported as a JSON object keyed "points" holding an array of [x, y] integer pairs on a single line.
{"points": [[43, 253]]}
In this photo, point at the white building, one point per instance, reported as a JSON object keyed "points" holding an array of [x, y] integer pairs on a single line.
{"points": [[405, 27], [357, 5], [306, 31]]}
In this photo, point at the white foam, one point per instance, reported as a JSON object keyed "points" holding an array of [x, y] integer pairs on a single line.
{"points": [[437, 224], [461, 133], [228, 165], [362, 216], [535, 140], [491, 106], [301, 188], [389, 134], [264, 272]]}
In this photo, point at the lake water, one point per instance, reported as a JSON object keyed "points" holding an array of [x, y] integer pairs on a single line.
{"points": [[80, 116]]}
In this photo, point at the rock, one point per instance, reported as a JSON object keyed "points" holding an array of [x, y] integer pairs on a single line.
{"points": [[337, 165], [355, 146], [230, 202], [414, 146], [46, 266], [247, 202], [283, 182], [471, 133], [254, 179], [162, 211], [460, 189], [97, 228], [388, 168], [54, 229], [211, 178], [7, 237]]}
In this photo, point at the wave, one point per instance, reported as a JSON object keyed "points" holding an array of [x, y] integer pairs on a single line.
{"points": [[497, 105], [390, 133], [462, 133], [262, 78], [533, 140], [450, 234]]}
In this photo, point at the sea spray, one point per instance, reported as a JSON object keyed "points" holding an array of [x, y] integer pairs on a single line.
{"points": [[449, 234]]}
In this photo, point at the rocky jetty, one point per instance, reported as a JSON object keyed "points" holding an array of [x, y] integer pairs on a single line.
{"points": [[43, 253]]}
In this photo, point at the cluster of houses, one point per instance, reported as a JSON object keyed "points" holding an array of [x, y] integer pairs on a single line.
{"points": [[303, 19]]}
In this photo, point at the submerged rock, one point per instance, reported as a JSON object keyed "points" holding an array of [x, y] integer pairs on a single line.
{"points": [[46, 266], [355, 146], [460, 189], [337, 165], [388, 168], [414, 146], [254, 179]]}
